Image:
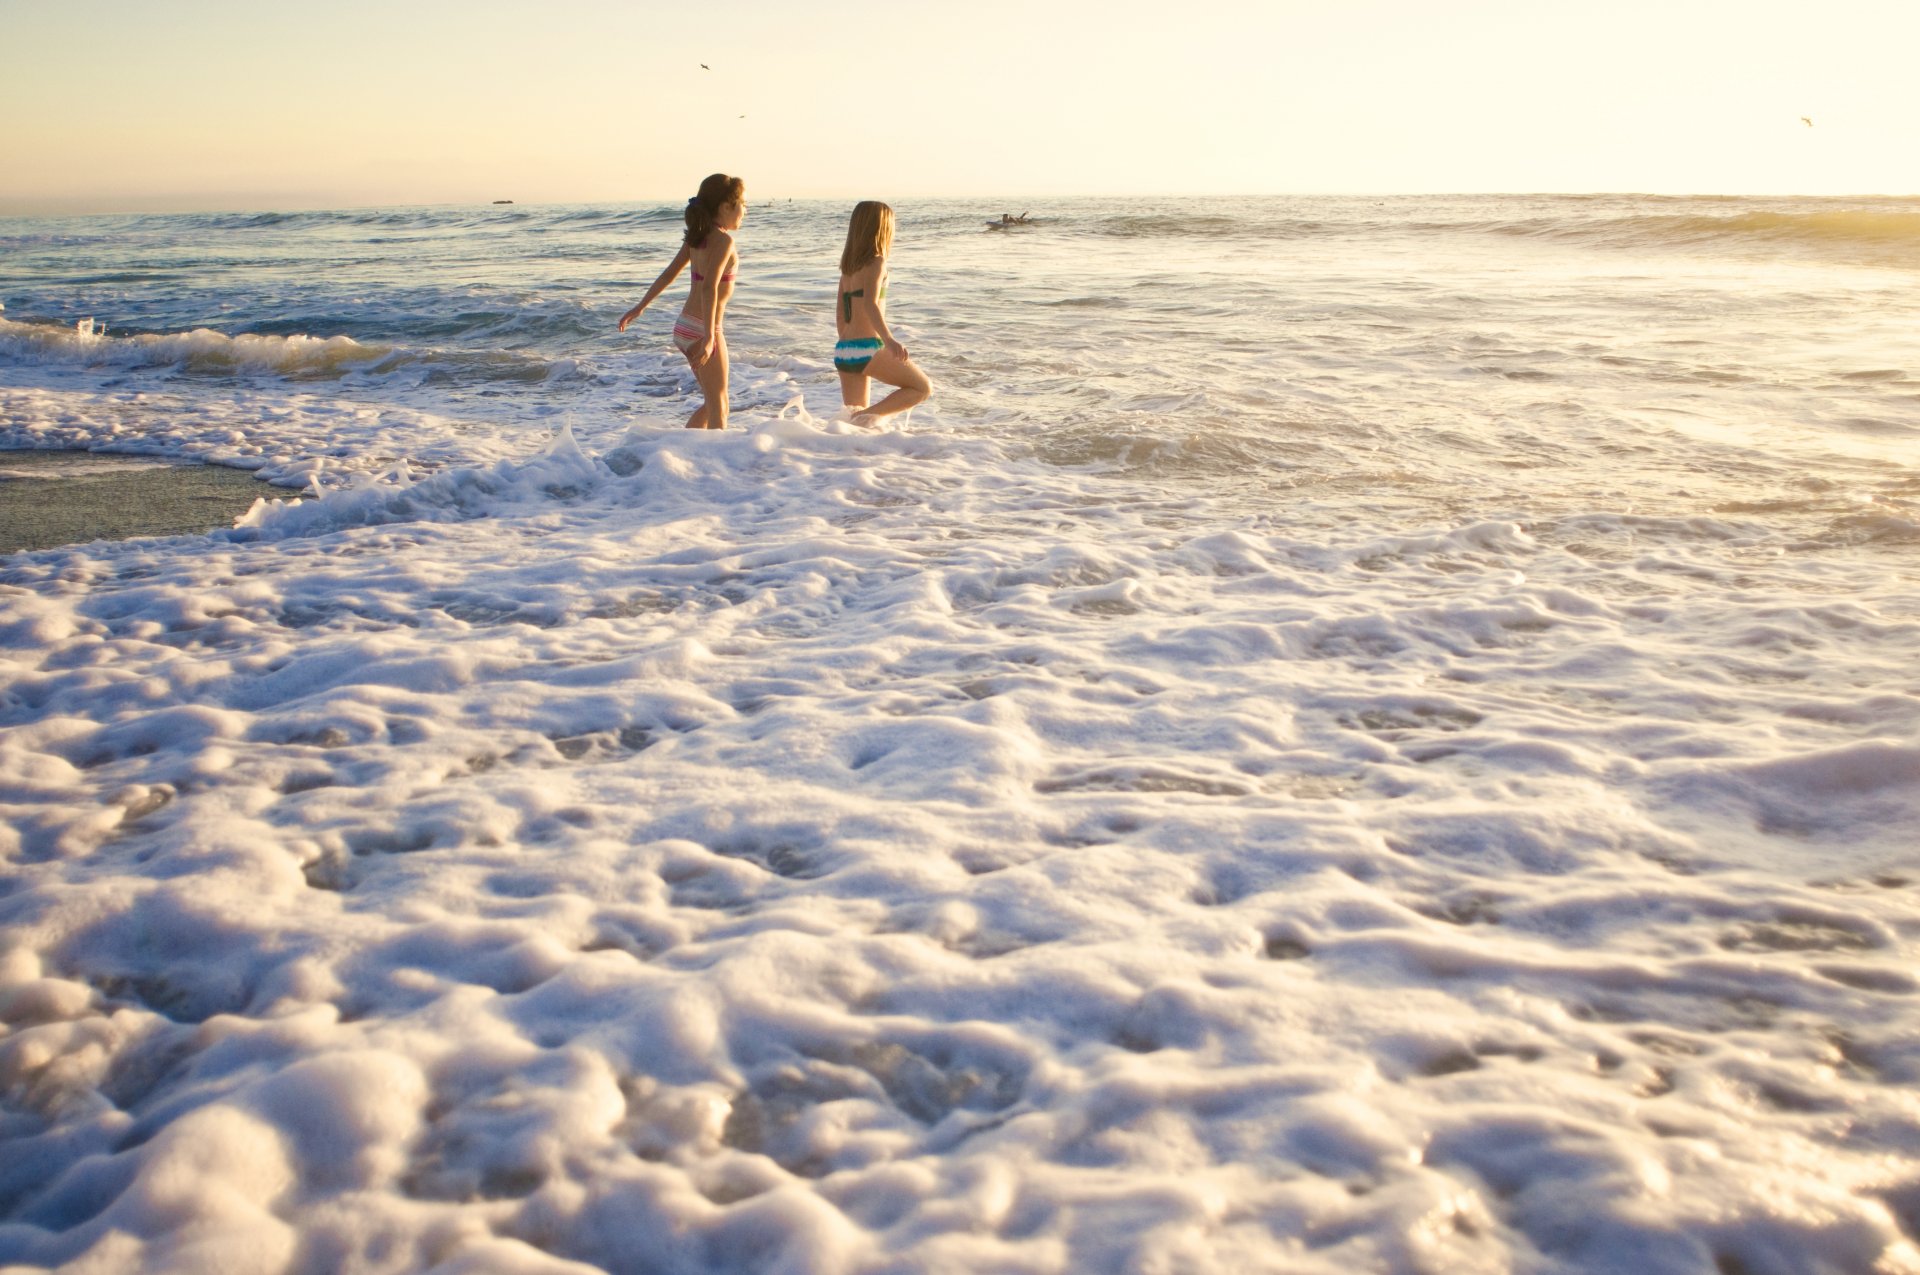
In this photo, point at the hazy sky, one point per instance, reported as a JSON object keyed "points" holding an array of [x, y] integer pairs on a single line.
{"points": [[182, 104]]}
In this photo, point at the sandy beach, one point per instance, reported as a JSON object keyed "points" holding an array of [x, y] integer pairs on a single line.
{"points": [[53, 498]]}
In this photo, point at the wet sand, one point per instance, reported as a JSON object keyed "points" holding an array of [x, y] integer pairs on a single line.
{"points": [[53, 498]]}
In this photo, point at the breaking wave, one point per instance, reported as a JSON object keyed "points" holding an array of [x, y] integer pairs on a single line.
{"points": [[1878, 233], [1866, 235], [204, 352]]}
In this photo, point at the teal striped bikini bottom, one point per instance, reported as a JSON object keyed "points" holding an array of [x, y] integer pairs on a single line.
{"points": [[853, 356]]}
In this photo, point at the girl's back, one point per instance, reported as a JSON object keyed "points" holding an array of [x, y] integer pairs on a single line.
{"points": [[852, 319], [713, 264]]}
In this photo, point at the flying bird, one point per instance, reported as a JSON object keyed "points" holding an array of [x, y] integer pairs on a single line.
{"points": [[1806, 121], [705, 67]]}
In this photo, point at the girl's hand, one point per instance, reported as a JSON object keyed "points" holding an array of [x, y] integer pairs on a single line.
{"points": [[896, 349], [629, 317], [706, 352]]}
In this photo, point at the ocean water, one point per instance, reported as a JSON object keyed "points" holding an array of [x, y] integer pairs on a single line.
{"points": [[1350, 735]]}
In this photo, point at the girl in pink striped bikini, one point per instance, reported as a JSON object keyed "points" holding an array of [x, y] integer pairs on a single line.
{"points": [[712, 217]]}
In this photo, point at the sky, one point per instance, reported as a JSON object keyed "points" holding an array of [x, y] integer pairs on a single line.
{"points": [[167, 105]]}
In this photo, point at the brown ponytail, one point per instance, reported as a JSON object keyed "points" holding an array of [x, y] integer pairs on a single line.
{"points": [[703, 210]]}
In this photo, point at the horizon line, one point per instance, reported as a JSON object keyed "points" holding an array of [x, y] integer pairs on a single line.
{"points": [[27, 209]]}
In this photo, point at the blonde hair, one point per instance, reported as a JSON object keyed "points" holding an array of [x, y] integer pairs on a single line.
{"points": [[869, 235]]}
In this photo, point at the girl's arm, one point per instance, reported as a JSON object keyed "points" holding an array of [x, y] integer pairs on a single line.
{"points": [[872, 303], [660, 285]]}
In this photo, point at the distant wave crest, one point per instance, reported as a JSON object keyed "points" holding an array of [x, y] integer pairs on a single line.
{"points": [[430, 218], [1160, 225], [1880, 236], [203, 351], [1867, 235]]}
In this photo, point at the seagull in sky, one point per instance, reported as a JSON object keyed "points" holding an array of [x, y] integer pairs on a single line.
{"points": [[705, 67], [1806, 121]]}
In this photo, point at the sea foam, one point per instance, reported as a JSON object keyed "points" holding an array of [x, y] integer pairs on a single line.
{"points": [[566, 841]]}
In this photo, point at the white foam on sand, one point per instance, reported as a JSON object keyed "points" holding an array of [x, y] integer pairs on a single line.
{"points": [[288, 438], [808, 850], [54, 466]]}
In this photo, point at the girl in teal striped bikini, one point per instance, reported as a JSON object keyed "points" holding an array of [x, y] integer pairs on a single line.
{"points": [[867, 348]]}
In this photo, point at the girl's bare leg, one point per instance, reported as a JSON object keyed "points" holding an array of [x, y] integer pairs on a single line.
{"points": [[853, 391], [913, 386], [712, 375], [699, 418]]}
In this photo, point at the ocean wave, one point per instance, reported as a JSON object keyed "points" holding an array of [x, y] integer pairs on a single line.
{"points": [[1877, 235], [618, 216], [31, 240], [1159, 225], [432, 218], [421, 218], [201, 350], [1874, 233], [1162, 446], [524, 328], [293, 356], [559, 472], [647, 462]]}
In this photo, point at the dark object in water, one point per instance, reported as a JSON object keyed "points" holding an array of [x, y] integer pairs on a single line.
{"points": [[503, 201]]}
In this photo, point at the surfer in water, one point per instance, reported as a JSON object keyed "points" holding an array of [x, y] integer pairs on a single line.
{"points": [[867, 349], [712, 217]]}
